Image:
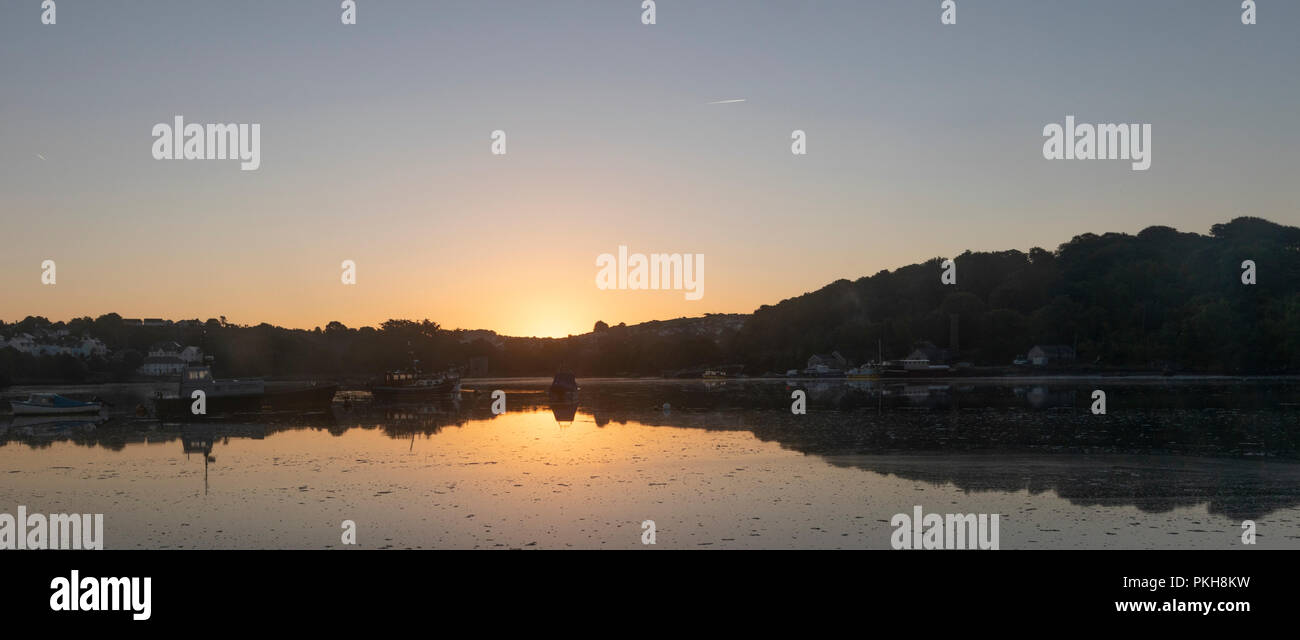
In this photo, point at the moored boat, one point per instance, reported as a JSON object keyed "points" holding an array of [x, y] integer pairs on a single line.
{"points": [[864, 372], [412, 384], [49, 404], [564, 384], [220, 397]]}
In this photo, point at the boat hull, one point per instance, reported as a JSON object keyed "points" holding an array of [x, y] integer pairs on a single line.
{"points": [[414, 393], [179, 408], [562, 395], [21, 408]]}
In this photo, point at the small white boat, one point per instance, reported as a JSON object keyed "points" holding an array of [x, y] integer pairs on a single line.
{"points": [[864, 372], [49, 404]]}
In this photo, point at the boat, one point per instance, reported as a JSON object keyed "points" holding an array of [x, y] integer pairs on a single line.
{"points": [[931, 371], [869, 371], [413, 384], [220, 396], [864, 372], [564, 384], [50, 404]]}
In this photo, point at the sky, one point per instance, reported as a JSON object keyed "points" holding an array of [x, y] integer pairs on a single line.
{"points": [[923, 140]]}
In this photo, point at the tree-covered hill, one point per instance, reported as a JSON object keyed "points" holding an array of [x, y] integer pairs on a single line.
{"points": [[1159, 299]]}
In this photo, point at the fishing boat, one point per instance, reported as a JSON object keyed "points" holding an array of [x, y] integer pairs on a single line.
{"points": [[564, 384], [869, 371], [412, 384], [220, 397], [48, 404]]}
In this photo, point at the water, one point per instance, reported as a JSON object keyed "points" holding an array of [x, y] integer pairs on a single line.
{"points": [[725, 465]]}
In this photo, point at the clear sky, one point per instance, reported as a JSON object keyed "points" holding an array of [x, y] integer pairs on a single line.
{"points": [[923, 140]]}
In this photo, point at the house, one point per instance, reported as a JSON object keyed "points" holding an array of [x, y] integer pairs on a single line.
{"points": [[162, 366], [164, 350], [93, 347], [169, 359], [83, 347], [826, 363], [56, 345], [23, 342], [1050, 354], [925, 356]]}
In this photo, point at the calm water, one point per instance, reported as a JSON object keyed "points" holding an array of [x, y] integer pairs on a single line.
{"points": [[725, 465]]}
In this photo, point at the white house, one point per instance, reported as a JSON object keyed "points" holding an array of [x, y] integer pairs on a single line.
{"points": [[93, 347], [165, 350], [162, 366], [23, 342], [169, 359]]}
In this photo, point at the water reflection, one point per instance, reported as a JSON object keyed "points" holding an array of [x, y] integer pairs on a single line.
{"points": [[1233, 448]]}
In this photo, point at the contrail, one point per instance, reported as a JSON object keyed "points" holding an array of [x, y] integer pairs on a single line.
{"points": [[725, 101]]}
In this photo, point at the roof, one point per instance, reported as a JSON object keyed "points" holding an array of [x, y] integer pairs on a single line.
{"points": [[833, 356]]}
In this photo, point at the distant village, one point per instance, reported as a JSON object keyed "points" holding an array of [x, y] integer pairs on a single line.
{"points": [[927, 358], [166, 359]]}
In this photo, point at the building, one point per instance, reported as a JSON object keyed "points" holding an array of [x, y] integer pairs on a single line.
{"points": [[1050, 354], [93, 347], [823, 363], [162, 366], [23, 342], [925, 356], [56, 345], [169, 359], [164, 350]]}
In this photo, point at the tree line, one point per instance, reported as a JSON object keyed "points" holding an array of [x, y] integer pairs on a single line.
{"points": [[1158, 299]]}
